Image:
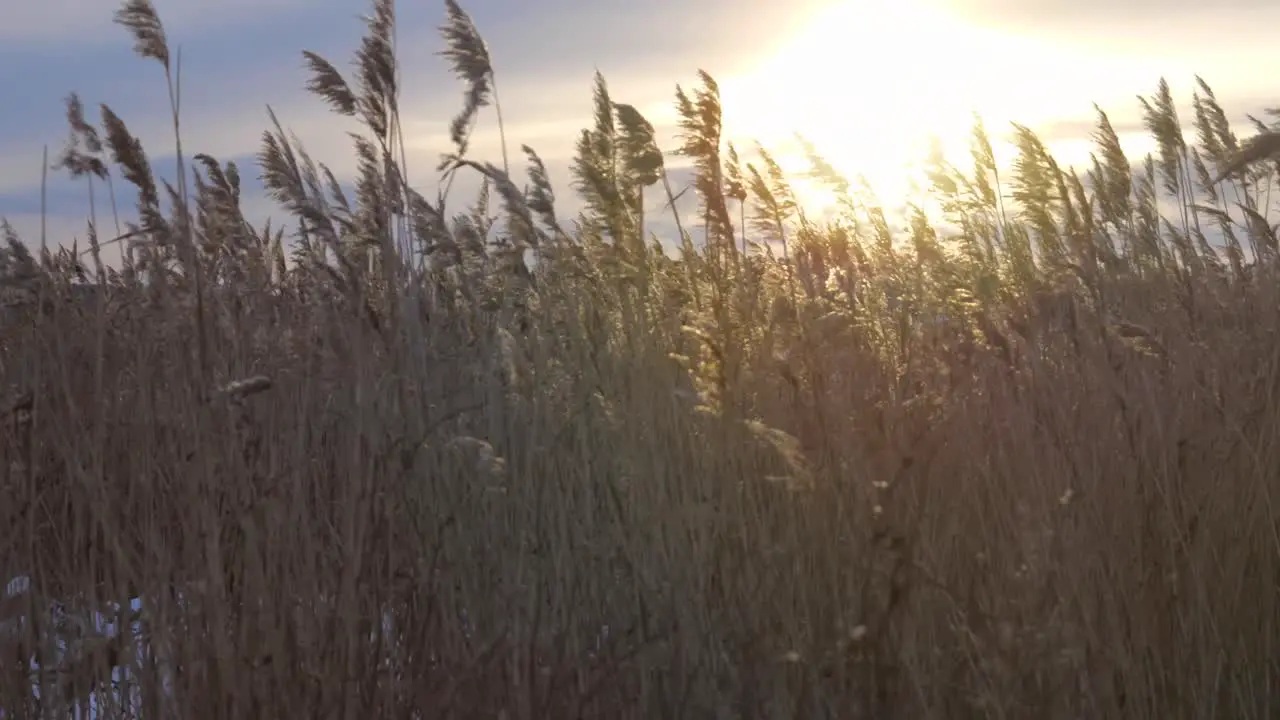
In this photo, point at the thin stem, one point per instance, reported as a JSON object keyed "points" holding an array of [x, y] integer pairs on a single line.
{"points": [[44, 200], [502, 131]]}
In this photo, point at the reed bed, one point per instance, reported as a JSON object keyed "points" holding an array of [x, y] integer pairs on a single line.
{"points": [[388, 458]]}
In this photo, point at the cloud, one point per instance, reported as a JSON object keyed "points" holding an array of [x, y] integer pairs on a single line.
{"points": [[58, 22], [1223, 41], [1105, 15]]}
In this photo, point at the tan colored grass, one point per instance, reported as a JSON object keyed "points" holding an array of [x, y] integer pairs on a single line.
{"points": [[1029, 471]]}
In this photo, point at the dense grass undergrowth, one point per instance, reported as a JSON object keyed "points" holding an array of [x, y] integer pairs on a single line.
{"points": [[802, 469]]}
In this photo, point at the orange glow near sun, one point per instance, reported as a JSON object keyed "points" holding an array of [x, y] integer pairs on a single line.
{"points": [[868, 82]]}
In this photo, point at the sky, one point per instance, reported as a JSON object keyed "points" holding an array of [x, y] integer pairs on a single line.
{"points": [[866, 80]]}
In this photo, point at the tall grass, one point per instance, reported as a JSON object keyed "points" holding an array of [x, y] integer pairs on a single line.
{"points": [[805, 468]]}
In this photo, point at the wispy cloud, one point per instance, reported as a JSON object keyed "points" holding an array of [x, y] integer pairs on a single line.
{"points": [[80, 22], [1227, 42]]}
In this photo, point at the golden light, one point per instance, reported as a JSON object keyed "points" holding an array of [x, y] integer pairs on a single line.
{"points": [[868, 82]]}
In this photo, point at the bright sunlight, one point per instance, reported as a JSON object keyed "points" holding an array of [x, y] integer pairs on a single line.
{"points": [[870, 82]]}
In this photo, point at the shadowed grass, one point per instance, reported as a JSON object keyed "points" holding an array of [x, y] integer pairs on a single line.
{"points": [[392, 469]]}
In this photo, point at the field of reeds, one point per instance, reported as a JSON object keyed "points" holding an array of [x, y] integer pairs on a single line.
{"points": [[414, 457]]}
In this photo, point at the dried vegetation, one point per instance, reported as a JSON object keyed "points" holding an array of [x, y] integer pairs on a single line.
{"points": [[416, 463]]}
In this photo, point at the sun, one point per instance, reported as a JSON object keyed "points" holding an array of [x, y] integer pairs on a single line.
{"points": [[866, 82], [870, 82]]}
